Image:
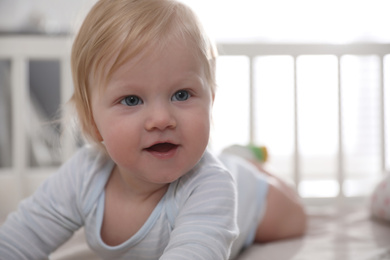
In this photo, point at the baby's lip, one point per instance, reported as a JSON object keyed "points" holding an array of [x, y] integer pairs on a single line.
{"points": [[162, 147]]}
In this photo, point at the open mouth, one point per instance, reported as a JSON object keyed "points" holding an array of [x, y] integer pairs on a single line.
{"points": [[162, 147]]}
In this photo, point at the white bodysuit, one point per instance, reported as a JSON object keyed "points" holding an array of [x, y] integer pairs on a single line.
{"points": [[195, 219]]}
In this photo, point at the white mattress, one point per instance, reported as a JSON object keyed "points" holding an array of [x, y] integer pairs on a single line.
{"points": [[342, 233]]}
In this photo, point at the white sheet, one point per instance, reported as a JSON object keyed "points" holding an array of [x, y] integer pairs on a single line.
{"points": [[334, 233]]}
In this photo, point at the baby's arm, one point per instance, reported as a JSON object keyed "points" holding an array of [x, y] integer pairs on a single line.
{"points": [[42, 222], [284, 216], [205, 226]]}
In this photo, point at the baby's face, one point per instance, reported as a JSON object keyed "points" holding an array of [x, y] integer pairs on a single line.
{"points": [[154, 115]]}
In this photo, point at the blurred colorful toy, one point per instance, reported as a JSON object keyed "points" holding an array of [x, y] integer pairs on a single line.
{"points": [[250, 152]]}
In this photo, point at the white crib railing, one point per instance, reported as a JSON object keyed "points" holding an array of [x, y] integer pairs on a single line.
{"points": [[20, 179], [253, 51]]}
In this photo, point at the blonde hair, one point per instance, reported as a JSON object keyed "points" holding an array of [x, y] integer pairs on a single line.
{"points": [[115, 31]]}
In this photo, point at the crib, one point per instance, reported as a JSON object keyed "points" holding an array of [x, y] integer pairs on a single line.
{"points": [[339, 58], [340, 226]]}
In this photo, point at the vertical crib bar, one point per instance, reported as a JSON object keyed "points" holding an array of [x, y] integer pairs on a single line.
{"points": [[297, 173], [340, 160], [382, 115], [19, 96], [252, 111]]}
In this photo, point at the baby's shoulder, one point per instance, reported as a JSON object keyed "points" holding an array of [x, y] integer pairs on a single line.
{"points": [[210, 167], [209, 182], [207, 174], [85, 174]]}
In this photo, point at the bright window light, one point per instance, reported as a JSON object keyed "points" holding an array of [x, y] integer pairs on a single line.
{"points": [[325, 21], [231, 106]]}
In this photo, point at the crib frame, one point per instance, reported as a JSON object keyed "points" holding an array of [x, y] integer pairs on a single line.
{"points": [[20, 180], [295, 50]]}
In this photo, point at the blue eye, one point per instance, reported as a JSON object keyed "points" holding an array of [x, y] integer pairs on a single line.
{"points": [[131, 101], [181, 95]]}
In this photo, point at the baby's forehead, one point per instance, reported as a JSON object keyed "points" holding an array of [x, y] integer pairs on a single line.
{"points": [[134, 56]]}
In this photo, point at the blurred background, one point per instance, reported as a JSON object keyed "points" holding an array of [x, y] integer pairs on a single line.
{"points": [[314, 130], [332, 21]]}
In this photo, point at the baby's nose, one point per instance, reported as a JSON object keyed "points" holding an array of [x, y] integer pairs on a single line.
{"points": [[160, 118]]}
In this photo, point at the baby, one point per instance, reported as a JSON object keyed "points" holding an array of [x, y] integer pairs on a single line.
{"points": [[146, 186]]}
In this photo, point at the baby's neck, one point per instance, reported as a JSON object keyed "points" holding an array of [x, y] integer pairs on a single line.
{"points": [[125, 212], [137, 191]]}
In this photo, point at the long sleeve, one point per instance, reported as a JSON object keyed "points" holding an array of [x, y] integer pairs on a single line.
{"points": [[196, 220], [205, 226], [45, 220]]}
